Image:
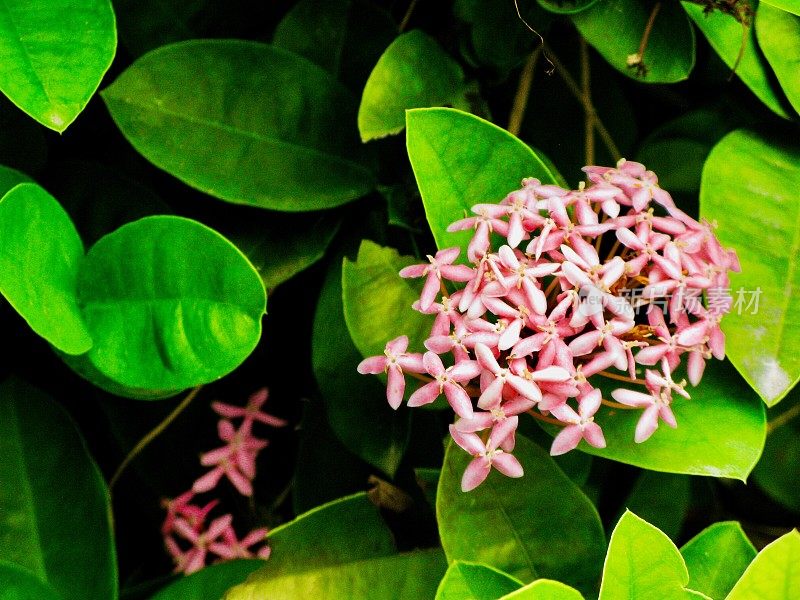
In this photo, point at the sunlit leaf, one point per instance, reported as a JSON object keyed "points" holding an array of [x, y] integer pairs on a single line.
{"points": [[211, 582], [716, 557], [778, 34], [774, 574], [474, 581], [545, 589]]}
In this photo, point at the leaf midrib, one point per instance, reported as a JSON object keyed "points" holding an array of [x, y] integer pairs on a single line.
{"points": [[25, 52]]}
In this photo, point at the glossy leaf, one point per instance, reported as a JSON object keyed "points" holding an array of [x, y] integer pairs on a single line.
{"points": [[724, 34], [54, 55], [615, 29], [756, 175], [460, 160], [720, 432], [716, 558], [345, 38], [408, 576], [774, 574], [474, 581], [661, 499], [414, 72], [40, 255], [209, 583], [642, 562], [352, 399], [245, 122], [56, 510], [778, 34], [170, 303], [792, 6], [17, 583], [545, 589], [520, 525], [377, 301]]}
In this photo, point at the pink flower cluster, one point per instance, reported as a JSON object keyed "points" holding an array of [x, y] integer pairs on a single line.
{"points": [[188, 537], [590, 283]]}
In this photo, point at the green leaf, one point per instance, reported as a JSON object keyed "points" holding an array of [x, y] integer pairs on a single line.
{"points": [[716, 558], [540, 525], [774, 574], [408, 576], [661, 499], [209, 583], [460, 160], [56, 510], [10, 178], [545, 589], [720, 432], [345, 38], [245, 122], [777, 472], [792, 6], [778, 34], [17, 583], [642, 562], [170, 303], [352, 399], [40, 254], [54, 54], [474, 581], [751, 174], [282, 246], [565, 7], [377, 301], [724, 34], [615, 28], [414, 72]]}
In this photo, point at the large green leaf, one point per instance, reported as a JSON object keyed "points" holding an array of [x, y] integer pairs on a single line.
{"points": [[749, 188], [724, 34], [642, 563], [377, 301], [40, 255], [720, 432], [17, 583], [615, 29], [54, 54], [55, 520], [460, 160], [778, 34], [414, 72], [245, 122], [11, 177], [716, 558], [474, 581], [540, 525], [408, 576], [170, 303], [774, 574], [352, 399], [545, 589], [792, 6], [210, 583]]}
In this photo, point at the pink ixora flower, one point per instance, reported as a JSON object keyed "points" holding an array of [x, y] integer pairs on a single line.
{"points": [[615, 278]]}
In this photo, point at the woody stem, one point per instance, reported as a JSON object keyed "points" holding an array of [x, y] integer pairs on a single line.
{"points": [[621, 377]]}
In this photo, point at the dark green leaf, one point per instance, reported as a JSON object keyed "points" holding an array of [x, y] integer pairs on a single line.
{"points": [[210, 583], [716, 558], [661, 499], [642, 562], [778, 34], [615, 28], [351, 399], [749, 188], [11, 177], [774, 574], [17, 583], [541, 524], [40, 255], [565, 7], [245, 122], [54, 54], [414, 72], [474, 581], [170, 303], [460, 160], [55, 520], [777, 472]]}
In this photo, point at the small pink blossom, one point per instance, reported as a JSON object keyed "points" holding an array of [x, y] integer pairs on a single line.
{"points": [[394, 363], [486, 456]]}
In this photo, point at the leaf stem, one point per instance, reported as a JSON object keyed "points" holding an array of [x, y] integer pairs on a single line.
{"points": [[586, 85], [612, 404], [407, 16], [153, 434], [621, 377], [543, 419], [523, 92], [784, 418]]}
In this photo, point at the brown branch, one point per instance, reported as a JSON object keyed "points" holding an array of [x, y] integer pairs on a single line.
{"points": [[407, 16]]}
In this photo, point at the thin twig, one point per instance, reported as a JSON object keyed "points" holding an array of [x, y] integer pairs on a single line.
{"points": [[523, 92], [153, 434], [407, 16], [588, 107], [586, 86], [613, 404], [784, 418], [540, 417], [621, 378]]}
